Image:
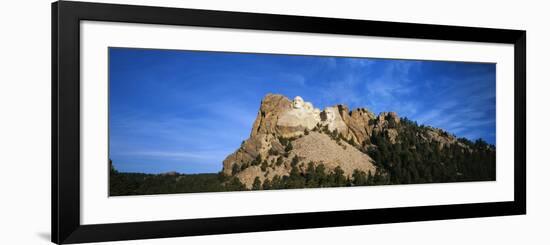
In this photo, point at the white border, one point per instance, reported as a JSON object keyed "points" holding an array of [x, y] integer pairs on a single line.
{"points": [[96, 207]]}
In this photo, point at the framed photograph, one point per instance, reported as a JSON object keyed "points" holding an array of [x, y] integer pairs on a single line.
{"points": [[174, 122]]}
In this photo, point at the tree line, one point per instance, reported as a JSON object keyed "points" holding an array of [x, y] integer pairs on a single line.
{"points": [[410, 159], [414, 160]]}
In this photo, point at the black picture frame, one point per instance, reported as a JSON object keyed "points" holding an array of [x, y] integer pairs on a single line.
{"points": [[66, 17]]}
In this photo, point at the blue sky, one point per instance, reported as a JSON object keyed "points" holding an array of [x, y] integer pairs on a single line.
{"points": [[185, 111]]}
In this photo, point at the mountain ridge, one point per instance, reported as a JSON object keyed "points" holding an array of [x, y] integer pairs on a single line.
{"points": [[282, 125]]}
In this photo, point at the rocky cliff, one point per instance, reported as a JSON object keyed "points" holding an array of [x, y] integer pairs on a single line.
{"points": [[289, 135]]}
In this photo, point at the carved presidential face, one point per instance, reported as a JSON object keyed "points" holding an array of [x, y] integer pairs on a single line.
{"points": [[298, 102], [317, 114], [328, 115], [308, 106], [316, 111]]}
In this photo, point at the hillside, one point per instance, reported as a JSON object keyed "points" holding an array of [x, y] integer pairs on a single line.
{"points": [[290, 135]]}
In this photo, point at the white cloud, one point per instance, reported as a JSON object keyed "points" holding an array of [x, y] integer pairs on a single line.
{"points": [[293, 78], [179, 155]]}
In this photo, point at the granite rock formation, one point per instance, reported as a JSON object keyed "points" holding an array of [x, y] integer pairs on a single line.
{"points": [[289, 133]]}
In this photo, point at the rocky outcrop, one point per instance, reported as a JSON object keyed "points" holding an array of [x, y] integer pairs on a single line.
{"points": [[264, 132], [386, 123], [441, 137], [332, 118], [359, 123], [285, 131], [271, 108], [301, 116]]}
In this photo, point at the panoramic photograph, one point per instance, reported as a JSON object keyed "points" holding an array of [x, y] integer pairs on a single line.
{"points": [[207, 121]]}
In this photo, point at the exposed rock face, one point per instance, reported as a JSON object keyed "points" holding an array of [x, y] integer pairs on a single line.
{"points": [[359, 124], [386, 123], [319, 148], [248, 175], [335, 137], [248, 151], [296, 120], [441, 137], [332, 118], [272, 107]]}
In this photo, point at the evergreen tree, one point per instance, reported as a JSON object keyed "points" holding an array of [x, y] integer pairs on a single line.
{"points": [[295, 161], [279, 161], [257, 184], [266, 185], [235, 169], [359, 178], [339, 178], [264, 166]]}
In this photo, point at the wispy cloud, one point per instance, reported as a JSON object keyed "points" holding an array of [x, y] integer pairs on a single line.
{"points": [[293, 78], [389, 89], [179, 155], [467, 108], [343, 91], [206, 139], [394, 80]]}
